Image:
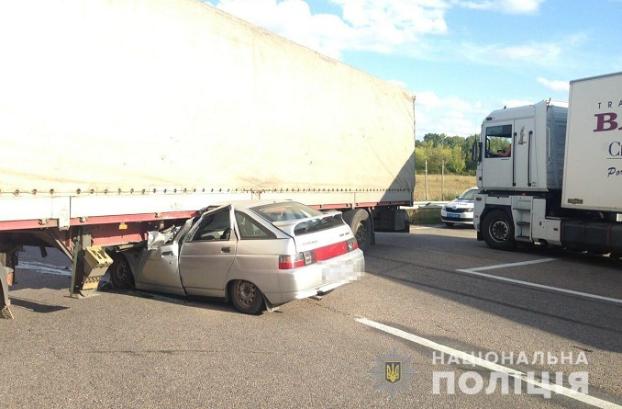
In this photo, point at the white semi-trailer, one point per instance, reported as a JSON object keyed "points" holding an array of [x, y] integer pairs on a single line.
{"points": [[120, 117], [552, 174]]}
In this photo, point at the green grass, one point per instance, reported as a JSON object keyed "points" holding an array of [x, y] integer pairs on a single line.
{"points": [[453, 186]]}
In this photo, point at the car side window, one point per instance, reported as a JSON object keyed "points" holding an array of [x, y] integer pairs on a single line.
{"points": [[214, 227], [250, 229]]}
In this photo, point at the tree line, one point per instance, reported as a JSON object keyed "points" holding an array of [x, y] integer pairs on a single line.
{"points": [[454, 151]]}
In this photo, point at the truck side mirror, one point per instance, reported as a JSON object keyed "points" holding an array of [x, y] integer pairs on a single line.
{"points": [[475, 152]]}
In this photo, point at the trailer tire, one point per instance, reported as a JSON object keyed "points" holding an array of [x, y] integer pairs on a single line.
{"points": [[361, 224], [246, 297], [121, 273], [498, 230]]}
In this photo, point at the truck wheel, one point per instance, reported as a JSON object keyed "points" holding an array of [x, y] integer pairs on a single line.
{"points": [[246, 297], [498, 230], [361, 226], [121, 273]]}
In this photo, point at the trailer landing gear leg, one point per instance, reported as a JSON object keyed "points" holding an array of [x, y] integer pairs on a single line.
{"points": [[5, 303], [89, 265]]}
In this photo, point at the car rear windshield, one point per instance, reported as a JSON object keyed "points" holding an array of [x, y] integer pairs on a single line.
{"points": [[292, 211], [281, 212], [315, 225]]}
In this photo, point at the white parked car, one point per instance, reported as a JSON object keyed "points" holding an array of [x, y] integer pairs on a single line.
{"points": [[460, 210]]}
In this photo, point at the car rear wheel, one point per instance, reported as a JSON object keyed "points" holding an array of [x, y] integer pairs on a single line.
{"points": [[121, 273], [498, 230], [246, 297], [361, 226]]}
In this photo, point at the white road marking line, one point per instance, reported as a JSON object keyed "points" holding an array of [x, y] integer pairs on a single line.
{"points": [[42, 268], [509, 265], [433, 226], [491, 366], [476, 272]]}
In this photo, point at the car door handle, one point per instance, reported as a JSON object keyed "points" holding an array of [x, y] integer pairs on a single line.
{"points": [[226, 250]]}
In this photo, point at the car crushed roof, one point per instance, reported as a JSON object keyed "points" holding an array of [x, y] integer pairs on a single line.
{"points": [[246, 204]]}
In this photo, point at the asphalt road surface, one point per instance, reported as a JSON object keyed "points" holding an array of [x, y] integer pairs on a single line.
{"points": [[428, 297]]}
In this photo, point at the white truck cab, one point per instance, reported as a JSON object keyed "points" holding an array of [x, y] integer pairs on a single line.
{"points": [[523, 148], [542, 183]]}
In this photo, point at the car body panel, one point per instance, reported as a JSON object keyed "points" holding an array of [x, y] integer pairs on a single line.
{"points": [[201, 260], [161, 271], [257, 261], [312, 241], [319, 277], [460, 210]]}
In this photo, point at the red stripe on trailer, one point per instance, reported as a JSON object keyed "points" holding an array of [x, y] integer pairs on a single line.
{"points": [[118, 240], [132, 218], [337, 206], [332, 206], [376, 204], [110, 234], [7, 225]]}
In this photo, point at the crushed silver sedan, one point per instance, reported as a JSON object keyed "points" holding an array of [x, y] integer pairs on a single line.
{"points": [[256, 254]]}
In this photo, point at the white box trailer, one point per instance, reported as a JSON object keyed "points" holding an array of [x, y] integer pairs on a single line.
{"points": [[529, 194], [593, 171], [118, 116]]}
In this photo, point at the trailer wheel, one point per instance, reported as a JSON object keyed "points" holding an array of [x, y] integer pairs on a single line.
{"points": [[361, 226], [246, 297], [498, 230], [121, 273]]}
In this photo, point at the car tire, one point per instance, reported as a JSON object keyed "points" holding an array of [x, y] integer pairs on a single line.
{"points": [[121, 273], [246, 297], [361, 226], [498, 230], [449, 224]]}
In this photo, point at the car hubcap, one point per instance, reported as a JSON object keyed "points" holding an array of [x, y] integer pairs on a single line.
{"points": [[500, 231], [246, 293]]}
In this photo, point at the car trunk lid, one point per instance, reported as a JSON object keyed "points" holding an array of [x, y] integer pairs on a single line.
{"points": [[326, 234]]}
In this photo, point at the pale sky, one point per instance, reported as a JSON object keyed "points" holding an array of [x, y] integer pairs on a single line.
{"points": [[462, 58]]}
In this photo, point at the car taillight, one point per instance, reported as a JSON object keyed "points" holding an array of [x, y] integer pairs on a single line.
{"points": [[287, 262], [352, 244]]}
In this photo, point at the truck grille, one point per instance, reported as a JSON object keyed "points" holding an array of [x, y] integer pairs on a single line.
{"points": [[458, 210]]}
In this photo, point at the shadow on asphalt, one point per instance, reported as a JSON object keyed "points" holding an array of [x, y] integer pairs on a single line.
{"points": [[35, 306], [216, 304], [590, 322], [26, 279]]}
